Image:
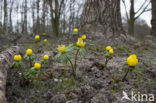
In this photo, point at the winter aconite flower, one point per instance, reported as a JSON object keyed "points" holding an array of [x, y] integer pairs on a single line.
{"points": [[37, 37], [45, 40], [83, 37], [43, 33], [132, 60], [45, 57], [61, 48], [37, 66], [79, 39], [80, 43], [29, 52], [111, 51], [17, 58], [108, 48], [75, 30]]}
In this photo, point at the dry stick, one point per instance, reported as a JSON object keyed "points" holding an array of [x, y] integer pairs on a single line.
{"points": [[123, 79], [106, 61]]}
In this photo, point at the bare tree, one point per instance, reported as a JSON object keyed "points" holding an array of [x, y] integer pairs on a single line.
{"points": [[37, 16], [55, 14], [133, 14]]}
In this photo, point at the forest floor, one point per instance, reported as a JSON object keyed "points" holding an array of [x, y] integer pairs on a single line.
{"points": [[94, 84]]}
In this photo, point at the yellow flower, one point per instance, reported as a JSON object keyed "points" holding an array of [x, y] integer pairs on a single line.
{"points": [[61, 48], [108, 48], [75, 30], [83, 37], [132, 60], [45, 40], [37, 66], [46, 57], [111, 51], [37, 37], [80, 43], [43, 33], [29, 52], [79, 39], [17, 58]]}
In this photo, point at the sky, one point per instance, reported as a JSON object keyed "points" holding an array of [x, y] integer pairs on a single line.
{"points": [[145, 16]]}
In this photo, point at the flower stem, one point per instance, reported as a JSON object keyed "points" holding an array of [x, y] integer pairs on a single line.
{"points": [[106, 62], [30, 61], [72, 67], [75, 64]]}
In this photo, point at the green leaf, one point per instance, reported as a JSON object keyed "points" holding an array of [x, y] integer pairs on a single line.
{"points": [[57, 57], [65, 57], [13, 64], [82, 51], [70, 47], [25, 56], [107, 55]]}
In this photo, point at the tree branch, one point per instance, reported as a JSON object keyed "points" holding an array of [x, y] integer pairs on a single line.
{"points": [[125, 9], [144, 10], [141, 7]]}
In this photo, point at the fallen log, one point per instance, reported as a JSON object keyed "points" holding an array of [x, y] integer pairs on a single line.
{"points": [[6, 58]]}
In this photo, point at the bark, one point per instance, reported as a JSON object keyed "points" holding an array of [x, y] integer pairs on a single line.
{"points": [[6, 58], [104, 13], [153, 21]]}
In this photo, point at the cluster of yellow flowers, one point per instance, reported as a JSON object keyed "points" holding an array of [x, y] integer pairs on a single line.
{"points": [[132, 60], [29, 52], [110, 50], [80, 42], [17, 58], [37, 37], [37, 66]]}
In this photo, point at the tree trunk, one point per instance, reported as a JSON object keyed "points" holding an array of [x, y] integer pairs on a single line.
{"points": [[25, 17], [10, 17], [43, 16], [6, 58], [132, 19], [5, 17], [55, 17], [105, 14], [153, 21], [33, 17], [38, 18]]}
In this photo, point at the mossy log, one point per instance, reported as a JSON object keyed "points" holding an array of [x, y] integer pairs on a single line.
{"points": [[6, 58]]}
